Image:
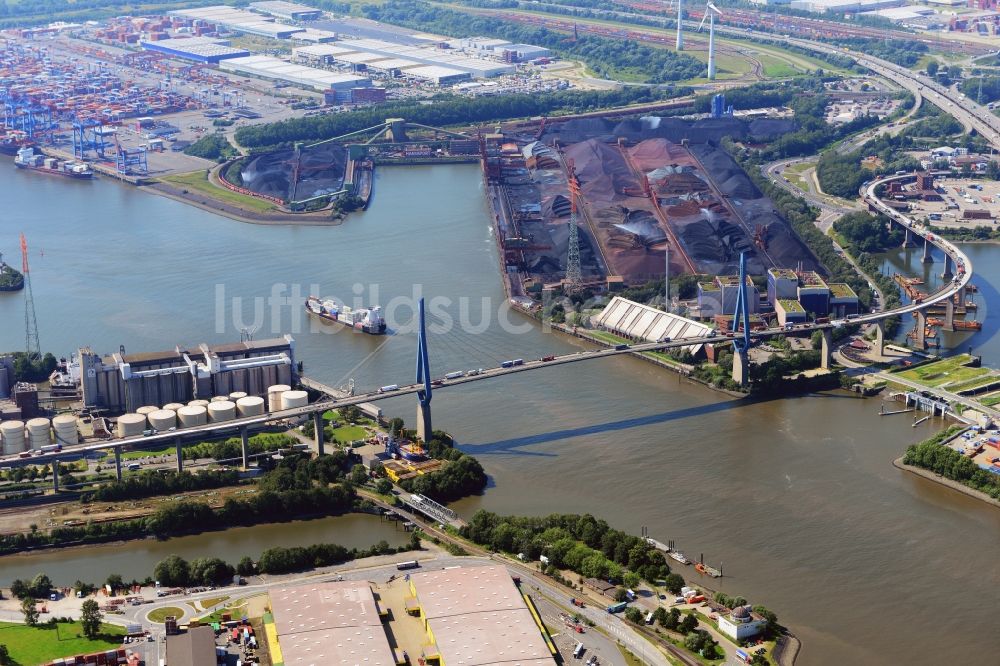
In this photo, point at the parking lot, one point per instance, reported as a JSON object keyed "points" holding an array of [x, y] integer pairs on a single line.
{"points": [[960, 195]]}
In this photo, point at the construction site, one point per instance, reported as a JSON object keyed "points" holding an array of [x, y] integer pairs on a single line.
{"points": [[601, 203]]}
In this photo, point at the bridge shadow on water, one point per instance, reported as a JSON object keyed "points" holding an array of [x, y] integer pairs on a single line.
{"points": [[516, 445]]}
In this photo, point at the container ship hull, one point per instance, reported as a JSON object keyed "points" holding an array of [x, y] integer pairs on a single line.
{"points": [[367, 320], [82, 175]]}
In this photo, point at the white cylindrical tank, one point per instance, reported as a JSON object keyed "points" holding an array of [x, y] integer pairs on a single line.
{"points": [[250, 406], [236, 395], [292, 399], [163, 419], [173, 406], [147, 410], [192, 415], [223, 410], [274, 396], [39, 434], [198, 403], [13, 437], [66, 430], [220, 398], [131, 425]]}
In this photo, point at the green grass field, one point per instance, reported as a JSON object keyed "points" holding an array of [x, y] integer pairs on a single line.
{"points": [[196, 181], [30, 646], [949, 371], [160, 614], [349, 433]]}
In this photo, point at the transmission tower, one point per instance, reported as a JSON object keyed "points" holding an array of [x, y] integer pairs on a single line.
{"points": [[574, 274], [31, 345]]}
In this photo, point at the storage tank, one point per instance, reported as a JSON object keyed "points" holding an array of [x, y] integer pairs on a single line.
{"points": [[198, 403], [13, 437], [147, 410], [223, 410], [220, 398], [250, 406], [173, 406], [39, 434], [274, 396], [192, 415], [163, 419], [131, 425], [65, 429], [292, 399], [236, 395]]}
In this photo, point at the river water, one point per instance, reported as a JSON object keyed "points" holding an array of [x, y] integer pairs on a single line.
{"points": [[796, 499]]}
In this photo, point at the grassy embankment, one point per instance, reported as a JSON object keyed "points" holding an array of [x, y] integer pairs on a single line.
{"points": [[197, 182], [29, 646]]}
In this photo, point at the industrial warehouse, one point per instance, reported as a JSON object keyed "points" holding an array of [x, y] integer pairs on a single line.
{"points": [[473, 616], [207, 50], [239, 20], [273, 68]]}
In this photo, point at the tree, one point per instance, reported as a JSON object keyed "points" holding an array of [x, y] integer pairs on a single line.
{"points": [[672, 619], [688, 624], [41, 586], [633, 614], [932, 68], [30, 611], [245, 566], [19, 589], [674, 583], [172, 570], [5, 659], [620, 594], [359, 475], [383, 486], [90, 618], [115, 582], [631, 580]]}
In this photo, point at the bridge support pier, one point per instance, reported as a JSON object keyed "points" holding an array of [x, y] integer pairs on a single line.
{"points": [[927, 258], [908, 239], [880, 337], [920, 339], [947, 274], [826, 350], [118, 463], [180, 454], [318, 427], [949, 315], [245, 446], [55, 475], [741, 368]]}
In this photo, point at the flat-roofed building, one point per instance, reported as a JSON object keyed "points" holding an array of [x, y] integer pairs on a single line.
{"points": [[813, 293], [199, 49], [287, 10], [789, 311], [843, 300], [308, 77], [330, 624], [195, 647], [476, 616], [781, 283]]}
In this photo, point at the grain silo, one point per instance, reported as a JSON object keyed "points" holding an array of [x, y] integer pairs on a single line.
{"points": [[163, 419], [131, 425], [250, 406], [39, 433], [192, 415], [274, 396], [222, 410], [66, 430], [13, 437]]}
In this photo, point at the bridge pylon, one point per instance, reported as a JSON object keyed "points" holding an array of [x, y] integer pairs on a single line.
{"points": [[424, 428], [927, 258], [741, 318]]}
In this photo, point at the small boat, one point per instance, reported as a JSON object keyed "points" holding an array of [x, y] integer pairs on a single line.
{"points": [[367, 320], [679, 556], [701, 567]]}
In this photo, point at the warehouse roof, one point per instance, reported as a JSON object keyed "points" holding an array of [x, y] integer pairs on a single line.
{"points": [[330, 624], [478, 617], [636, 320]]}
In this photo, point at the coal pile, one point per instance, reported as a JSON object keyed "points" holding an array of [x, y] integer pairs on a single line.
{"points": [[675, 130], [320, 171]]}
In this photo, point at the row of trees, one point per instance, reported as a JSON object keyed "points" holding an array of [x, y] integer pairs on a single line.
{"points": [[584, 544], [444, 110], [606, 57], [232, 448], [951, 464], [174, 570], [868, 233], [151, 483]]}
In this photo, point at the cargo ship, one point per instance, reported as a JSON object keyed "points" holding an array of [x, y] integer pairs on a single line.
{"points": [[12, 141], [27, 159], [367, 320]]}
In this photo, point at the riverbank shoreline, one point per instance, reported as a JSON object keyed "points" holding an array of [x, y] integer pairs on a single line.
{"points": [[944, 481]]}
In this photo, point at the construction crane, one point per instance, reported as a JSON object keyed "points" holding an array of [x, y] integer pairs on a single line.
{"points": [[31, 344]]}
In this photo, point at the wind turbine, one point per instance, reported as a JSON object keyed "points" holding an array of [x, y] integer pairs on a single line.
{"points": [[710, 12]]}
